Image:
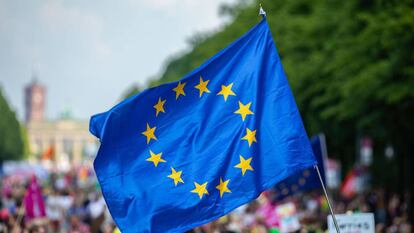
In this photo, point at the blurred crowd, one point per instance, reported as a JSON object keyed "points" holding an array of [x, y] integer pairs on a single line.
{"points": [[391, 212], [71, 202]]}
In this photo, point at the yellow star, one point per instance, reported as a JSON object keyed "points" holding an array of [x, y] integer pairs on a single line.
{"points": [[223, 187], [149, 133], [179, 90], [226, 91], [202, 86], [250, 136], [200, 189], [159, 106], [176, 176], [244, 164], [155, 158], [244, 110]]}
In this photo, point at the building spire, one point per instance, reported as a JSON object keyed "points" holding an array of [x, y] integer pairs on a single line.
{"points": [[35, 100]]}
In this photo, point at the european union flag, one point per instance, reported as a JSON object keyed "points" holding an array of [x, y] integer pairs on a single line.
{"points": [[185, 153], [308, 178]]}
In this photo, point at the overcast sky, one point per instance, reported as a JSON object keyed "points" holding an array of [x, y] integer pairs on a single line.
{"points": [[87, 53]]}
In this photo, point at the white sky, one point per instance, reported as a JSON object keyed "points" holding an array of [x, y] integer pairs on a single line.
{"points": [[88, 53]]}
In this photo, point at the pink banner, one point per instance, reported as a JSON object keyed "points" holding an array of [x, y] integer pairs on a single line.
{"points": [[33, 201]]}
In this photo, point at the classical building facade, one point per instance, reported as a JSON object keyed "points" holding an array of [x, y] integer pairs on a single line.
{"points": [[64, 139]]}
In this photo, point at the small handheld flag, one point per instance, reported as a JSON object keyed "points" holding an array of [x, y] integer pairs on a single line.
{"points": [[185, 153], [308, 178]]}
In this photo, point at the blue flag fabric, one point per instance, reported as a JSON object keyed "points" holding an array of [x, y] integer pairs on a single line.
{"points": [[185, 153], [308, 178]]}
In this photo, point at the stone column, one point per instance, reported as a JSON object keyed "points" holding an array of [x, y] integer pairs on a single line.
{"points": [[77, 150], [58, 147]]}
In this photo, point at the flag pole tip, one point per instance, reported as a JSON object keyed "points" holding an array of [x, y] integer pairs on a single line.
{"points": [[261, 11]]}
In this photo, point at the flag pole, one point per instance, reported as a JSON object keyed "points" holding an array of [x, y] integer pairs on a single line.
{"points": [[327, 199]]}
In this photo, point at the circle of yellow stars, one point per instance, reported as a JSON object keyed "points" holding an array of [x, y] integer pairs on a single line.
{"points": [[244, 110]]}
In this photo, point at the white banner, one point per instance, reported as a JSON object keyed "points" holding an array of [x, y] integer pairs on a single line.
{"points": [[354, 223]]}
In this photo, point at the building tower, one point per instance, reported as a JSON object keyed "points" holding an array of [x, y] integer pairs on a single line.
{"points": [[35, 101]]}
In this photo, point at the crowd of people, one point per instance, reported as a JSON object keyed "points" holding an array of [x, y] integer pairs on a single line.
{"points": [[391, 212], [72, 202]]}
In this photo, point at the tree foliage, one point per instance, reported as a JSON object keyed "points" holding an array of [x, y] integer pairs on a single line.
{"points": [[350, 65], [133, 90], [11, 143]]}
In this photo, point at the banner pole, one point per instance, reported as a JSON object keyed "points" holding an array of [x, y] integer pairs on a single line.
{"points": [[327, 199]]}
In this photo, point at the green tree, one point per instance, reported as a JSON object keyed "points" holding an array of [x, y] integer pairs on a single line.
{"points": [[25, 140], [11, 143], [133, 90]]}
